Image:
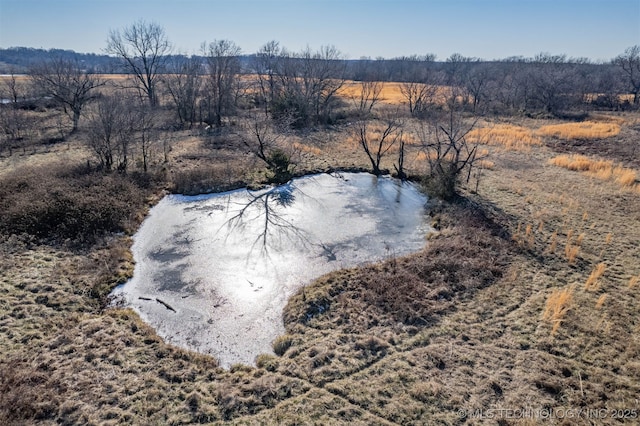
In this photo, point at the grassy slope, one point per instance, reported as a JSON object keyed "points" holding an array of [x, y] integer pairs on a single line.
{"points": [[408, 341]]}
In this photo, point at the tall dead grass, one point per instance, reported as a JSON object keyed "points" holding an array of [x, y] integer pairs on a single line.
{"points": [[600, 301], [593, 283], [391, 93], [519, 138], [601, 169], [558, 304], [509, 136], [583, 130]]}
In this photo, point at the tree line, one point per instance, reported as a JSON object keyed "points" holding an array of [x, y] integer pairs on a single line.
{"points": [[281, 89]]}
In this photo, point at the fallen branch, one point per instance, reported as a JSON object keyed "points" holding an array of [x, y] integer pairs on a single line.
{"points": [[166, 305]]}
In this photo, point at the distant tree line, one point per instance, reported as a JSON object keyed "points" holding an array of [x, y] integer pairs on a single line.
{"points": [[541, 82], [276, 88], [548, 83]]}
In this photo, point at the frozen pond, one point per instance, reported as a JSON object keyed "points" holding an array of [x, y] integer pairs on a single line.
{"points": [[214, 272]]}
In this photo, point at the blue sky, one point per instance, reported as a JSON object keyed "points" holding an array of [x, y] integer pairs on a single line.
{"points": [[489, 29]]}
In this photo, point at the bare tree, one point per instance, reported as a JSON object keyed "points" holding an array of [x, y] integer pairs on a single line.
{"points": [[399, 166], [144, 49], [448, 151], [418, 96], [377, 138], [146, 125], [67, 83], [110, 133], [11, 88], [419, 88], [322, 76], [552, 82], [265, 66], [629, 62], [476, 80], [368, 95], [505, 88], [17, 128], [455, 69], [223, 67], [184, 83], [266, 140], [309, 83]]}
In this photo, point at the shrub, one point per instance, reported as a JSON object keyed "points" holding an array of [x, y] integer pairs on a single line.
{"points": [[441, 183], [280, 164], [62, 204]]}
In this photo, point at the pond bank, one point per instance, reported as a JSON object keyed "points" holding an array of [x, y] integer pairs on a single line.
{"points": [[213, 272]]}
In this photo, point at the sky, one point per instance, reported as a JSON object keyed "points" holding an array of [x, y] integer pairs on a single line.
{"points": [[487, 29]]}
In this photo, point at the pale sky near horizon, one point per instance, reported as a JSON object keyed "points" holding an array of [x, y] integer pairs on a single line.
{"points": [[488, 29]]}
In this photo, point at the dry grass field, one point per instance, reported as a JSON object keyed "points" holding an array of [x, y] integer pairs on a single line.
{"points": [[525, 298], [390, 93]]}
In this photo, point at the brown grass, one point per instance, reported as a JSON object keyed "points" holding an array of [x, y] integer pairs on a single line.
{"points": [[593, 283], [571, 252], [553, 243], [583, 130], [600, 301], [74, 204], [409, 341], [559, 302], [390, 94], [601, 169], [508, 136]]}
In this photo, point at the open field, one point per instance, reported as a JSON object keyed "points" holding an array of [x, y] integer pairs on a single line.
{"points": [[526, 297], [390, 93]]}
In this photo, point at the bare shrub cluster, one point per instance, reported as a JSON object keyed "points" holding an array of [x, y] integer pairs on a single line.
{"points": [[64, 204], [414, 291]]}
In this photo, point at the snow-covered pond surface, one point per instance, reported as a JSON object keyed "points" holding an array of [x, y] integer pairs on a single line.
{"points": [[214, 272]]}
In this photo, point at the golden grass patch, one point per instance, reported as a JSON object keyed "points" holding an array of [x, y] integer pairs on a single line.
{"points": [[558, 304], [486, 164], [593, 282], [508, 136], [391, 92], [582, 130], [306, 148], [601, 169], [571, 252]]}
